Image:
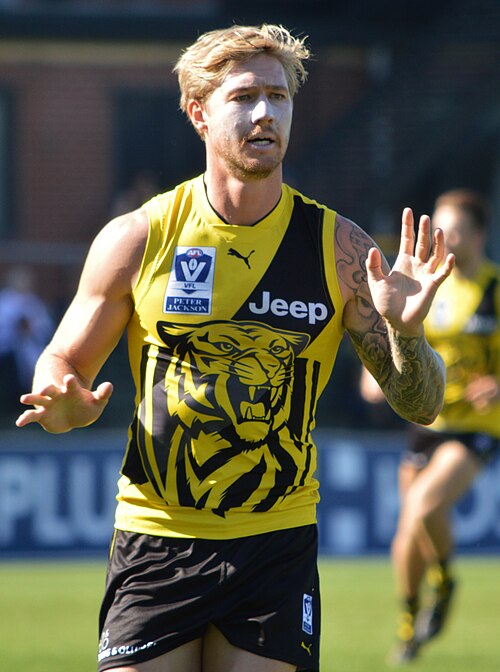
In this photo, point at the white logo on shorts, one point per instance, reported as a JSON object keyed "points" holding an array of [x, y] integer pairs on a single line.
{"points": [[107, 651], [307, 614]]}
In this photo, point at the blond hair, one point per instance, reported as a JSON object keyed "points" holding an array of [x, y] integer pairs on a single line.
{"points": [[204, 65]]}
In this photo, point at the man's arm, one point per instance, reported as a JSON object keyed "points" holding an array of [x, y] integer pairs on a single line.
{"points": [[384, 310], [62, 393]]}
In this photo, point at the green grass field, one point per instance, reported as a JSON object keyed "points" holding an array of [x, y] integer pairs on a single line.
{"points": [[49, 615]]}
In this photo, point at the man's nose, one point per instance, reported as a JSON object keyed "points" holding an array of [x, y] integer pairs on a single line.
{"points": [[262, 111]]}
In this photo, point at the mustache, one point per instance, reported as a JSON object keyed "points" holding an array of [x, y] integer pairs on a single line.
{"points": [[267, 132]]}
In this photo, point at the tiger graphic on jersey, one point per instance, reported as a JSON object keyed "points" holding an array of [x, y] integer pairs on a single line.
{"points": [[228, 388]]}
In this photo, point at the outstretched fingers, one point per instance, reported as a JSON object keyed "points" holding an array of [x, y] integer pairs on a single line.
{"points": [[103, 392], [43, 397], [444, 270], [429, 248], [374, 265], [29, 416], [407, 242], [41, 401], [438, 250], [439, 265], [423, 245]]}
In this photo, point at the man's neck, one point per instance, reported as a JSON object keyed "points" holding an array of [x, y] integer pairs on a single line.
{"points": [[243, 202], [469, 268]]}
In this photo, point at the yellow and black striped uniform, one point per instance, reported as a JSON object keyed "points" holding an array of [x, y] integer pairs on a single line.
{"points": [[233, 338], [463, 325]]}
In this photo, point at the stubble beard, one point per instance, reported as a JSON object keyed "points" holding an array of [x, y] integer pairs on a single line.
{"points": [[248, 169]]}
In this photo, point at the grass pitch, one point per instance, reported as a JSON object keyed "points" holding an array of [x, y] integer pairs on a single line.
{"points": [[359, 611], [49, 617]]}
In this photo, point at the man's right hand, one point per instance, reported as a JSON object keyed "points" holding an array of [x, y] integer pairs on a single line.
{"points": [[60, 408]]}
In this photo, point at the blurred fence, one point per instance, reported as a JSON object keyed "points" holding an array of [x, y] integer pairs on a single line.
{"points": [[57, 495]]}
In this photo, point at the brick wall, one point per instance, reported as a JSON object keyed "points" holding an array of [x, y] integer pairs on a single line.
{"points": [[63, 131], [63, 125]]}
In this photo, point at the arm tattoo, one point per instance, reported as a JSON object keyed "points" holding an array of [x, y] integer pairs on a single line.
{"points": [[410, 373]]}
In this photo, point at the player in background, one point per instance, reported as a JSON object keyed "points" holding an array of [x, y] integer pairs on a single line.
{"points": [[441, 461]]}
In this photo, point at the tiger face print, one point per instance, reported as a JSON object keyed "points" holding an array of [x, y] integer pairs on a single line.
{"points": [[228, 388], [236, 374]]}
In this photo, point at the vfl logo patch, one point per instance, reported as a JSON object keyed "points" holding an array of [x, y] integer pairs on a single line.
{"points": [[191, 280], [307, 614]]}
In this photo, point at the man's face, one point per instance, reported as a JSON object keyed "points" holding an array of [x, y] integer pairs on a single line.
{"points": [[461, 237], [248, 119]]}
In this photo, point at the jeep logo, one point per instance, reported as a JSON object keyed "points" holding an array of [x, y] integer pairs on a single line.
{"points": [[315, 312]]}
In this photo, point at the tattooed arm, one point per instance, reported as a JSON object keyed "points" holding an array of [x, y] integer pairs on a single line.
{"points": [[384, 311]]}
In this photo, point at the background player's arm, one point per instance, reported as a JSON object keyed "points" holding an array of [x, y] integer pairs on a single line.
{"points": [[369, 389], [383, 314], [484, 391], [89, 331]]}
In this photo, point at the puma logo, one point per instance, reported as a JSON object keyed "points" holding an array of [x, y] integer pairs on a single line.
{"points": [[307, 647], [234, 253]]}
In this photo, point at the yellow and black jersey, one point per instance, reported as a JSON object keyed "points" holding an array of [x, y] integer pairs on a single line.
{"points": [[463, 325], [233, 338]]}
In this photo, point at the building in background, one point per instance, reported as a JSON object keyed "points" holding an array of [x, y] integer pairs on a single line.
{"points": [[400, 105]]}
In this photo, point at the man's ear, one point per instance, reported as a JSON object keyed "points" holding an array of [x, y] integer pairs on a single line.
{"points": [[197, 115]]}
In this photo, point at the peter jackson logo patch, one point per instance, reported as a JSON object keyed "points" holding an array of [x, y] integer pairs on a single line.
{"points": [[190, 284]]}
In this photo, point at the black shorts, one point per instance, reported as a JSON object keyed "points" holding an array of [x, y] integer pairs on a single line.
{"points": [[261, 592], [423, 442]]}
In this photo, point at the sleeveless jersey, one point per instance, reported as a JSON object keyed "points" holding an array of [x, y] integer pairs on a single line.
{"points": [[463, 325], [234, 336]]}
